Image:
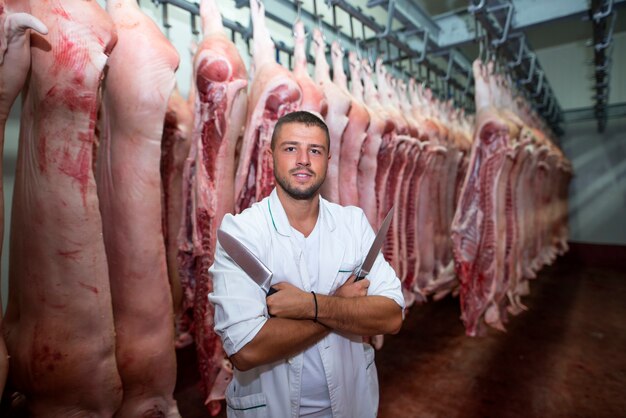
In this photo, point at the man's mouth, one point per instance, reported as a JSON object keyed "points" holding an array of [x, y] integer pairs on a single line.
{"points": [[302, 174]]}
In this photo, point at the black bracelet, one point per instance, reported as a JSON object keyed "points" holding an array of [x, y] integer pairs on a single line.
{"points": [[315, 300]]}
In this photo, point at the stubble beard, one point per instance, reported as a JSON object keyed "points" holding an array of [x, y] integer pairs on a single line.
{"points": [[299, 194]]}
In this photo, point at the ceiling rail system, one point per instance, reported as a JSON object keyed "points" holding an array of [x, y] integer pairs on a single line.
{"points": [[511, 46], [409, 51], [602, 15]]}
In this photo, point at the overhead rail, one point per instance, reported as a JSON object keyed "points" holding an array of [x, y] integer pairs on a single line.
{"points": [[602, 15], [457, 28], [495, 18], [421, 33], [403, 51]]}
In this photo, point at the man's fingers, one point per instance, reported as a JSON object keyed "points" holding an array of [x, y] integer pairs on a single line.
{"points": [[280, 286], [351, 279]]}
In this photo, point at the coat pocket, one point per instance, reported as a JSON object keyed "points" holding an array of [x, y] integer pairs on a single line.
{"points": [[342, 275], [248, 406], [372, 374]]}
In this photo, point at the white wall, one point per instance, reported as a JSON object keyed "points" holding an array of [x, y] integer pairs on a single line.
{"points": [[598, 190], [570, 72]]}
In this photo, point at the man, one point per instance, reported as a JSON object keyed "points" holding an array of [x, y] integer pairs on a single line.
{"points": [[306, 359]]}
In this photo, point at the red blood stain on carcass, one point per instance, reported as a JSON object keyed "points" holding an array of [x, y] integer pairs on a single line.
{"points": [[79, 166], [89, 287], [41, 153], [69, 55], [45, 357], [73, 98], [61, 12], [73, 255], [78, 79]]}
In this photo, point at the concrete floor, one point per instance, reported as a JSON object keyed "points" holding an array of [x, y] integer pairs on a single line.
{"points": [[565, 357]]}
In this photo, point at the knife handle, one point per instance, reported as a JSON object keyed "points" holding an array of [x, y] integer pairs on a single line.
{"points": [[358, 278], [271, 291]]}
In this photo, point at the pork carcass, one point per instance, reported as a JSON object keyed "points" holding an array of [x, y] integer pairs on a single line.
{"points": [[274, 93], [134, 104], [336, 117], [427, 210], [174, 150], [313, 99], [59, 323], [14, 67], [386, 146], [478, 221], [368, 163], [353, 136], [220, 81], [406, 224], [392, 159]]}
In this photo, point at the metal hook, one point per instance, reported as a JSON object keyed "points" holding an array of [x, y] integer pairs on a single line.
{"points": [[520, 52], [473, 8], [602, 14], [298, 10], [539, 84], [531, 71], [194, 27], [166, 23], [507, 25], [370, 56], [609, 36], [391, 7], [422, 56], [357, 44]]}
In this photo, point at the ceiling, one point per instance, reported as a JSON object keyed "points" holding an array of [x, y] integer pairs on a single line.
{"points": [[556, 23]]}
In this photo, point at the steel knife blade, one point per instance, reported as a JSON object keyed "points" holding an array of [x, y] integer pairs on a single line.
{"points": [[375, 248], [245, 259]]}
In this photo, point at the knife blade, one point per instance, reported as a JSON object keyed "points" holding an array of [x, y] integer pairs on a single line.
{"points": [[248, 262], [375, 248]]}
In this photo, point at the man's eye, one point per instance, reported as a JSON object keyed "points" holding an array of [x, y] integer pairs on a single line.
{"points": [[315, 151], [290, 149]]}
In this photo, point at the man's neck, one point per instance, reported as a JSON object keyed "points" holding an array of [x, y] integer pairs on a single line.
{"points": [[302, 214]]}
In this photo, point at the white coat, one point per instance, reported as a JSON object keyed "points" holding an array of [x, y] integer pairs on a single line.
{"points": [[273, 390]]}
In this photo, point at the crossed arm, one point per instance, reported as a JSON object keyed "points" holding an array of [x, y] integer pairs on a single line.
{"points": [[292, 328]]}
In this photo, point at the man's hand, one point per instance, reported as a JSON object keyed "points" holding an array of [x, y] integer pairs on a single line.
{"points": [[352, 289], [290, 302]]}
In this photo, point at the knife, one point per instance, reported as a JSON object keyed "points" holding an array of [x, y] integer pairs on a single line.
{"points": [[375, 248], [248, 262]]}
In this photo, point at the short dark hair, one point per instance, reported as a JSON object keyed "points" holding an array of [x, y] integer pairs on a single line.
{"points": [[300, 116]]}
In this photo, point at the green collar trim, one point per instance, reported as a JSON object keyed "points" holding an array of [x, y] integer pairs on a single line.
{"points": [[271, 215], [245, 409]]}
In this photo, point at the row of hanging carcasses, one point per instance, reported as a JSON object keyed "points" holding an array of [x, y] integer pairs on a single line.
{"points": [[393, 145]]}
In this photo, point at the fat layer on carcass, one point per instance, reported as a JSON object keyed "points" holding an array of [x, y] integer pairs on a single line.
{"points": [[220, 80], [133, 109], [274, 93], [14, 67], [59, 322]]}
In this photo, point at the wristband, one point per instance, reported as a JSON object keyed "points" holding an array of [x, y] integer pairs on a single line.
{"points": [[315, 300]]}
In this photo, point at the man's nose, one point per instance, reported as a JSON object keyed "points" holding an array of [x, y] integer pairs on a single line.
{"points": [[303, 158]]}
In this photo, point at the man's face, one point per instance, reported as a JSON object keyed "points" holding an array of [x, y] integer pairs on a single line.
{"points": [[300, 160]]}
